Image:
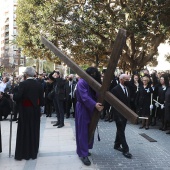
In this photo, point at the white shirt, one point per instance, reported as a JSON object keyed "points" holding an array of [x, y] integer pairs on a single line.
{"points": [[124, 88], [2, 86], [71, 85]]}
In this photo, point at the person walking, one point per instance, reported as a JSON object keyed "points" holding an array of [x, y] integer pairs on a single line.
{"points": [[85, 106], [122, 92]]}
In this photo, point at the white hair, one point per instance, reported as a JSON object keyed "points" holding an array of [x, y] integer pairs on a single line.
{"points": [[71, 75], [30, 71], [123, 76]]}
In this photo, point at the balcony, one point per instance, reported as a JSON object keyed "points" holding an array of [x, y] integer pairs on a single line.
{"points": [[6, 47], [7, 36], [7, 29]]}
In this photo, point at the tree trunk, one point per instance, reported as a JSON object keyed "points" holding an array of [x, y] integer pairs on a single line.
{"points": [[97, 60]]}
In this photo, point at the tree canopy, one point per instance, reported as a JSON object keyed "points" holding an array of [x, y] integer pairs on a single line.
{"points": [[86, 29]]}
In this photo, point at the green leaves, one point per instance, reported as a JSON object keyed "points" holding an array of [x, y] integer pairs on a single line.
{"points": [[86, 29]]}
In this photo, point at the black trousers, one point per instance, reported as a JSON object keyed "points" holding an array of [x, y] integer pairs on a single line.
{"points": [[15, 110], [120, 134], [59, 108], [69, 102]]}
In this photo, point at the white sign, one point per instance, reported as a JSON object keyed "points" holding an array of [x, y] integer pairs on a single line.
{"points": [[21, 70]]}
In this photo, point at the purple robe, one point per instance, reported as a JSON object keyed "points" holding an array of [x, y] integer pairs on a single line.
{"points": [[85, 105]]}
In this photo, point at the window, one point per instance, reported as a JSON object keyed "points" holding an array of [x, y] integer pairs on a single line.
{"points": [[21, 61]]}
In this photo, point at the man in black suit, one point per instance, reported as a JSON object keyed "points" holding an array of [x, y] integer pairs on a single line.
{"points": [[121, 91], [70, 100], [59, 97]]}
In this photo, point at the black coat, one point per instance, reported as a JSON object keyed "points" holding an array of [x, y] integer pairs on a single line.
{"points": [[48, 89], [143, 100], [59, 86], [30, 98]]}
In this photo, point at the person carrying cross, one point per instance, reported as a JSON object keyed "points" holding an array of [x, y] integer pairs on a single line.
{"points": [[86, 103]]}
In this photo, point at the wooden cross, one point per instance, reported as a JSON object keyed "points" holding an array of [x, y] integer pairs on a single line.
{"points": [[102, 90]]}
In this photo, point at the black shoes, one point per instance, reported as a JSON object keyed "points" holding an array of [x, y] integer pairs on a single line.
{"points": [[141, 127], [147, 128], [89, 154], [111, 120], [60, 126], [127, 155], [56, 124], [86, 161], [118, 148]]}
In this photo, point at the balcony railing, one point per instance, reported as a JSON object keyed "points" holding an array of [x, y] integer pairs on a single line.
{"points": [[7, 30]]}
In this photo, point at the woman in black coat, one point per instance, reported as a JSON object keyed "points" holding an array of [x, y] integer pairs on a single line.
{"points": [[164, 83], [143, 101]]}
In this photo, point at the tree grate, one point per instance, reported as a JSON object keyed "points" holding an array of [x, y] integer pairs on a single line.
{"points": [[147, 137]]}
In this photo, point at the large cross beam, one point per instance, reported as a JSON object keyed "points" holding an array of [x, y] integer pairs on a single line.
{"points": [[100, 89]]}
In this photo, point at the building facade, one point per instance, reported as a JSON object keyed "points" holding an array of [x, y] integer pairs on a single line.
{"points": [[10, 54]]}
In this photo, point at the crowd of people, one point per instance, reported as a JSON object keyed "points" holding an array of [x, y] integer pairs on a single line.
{"points": [[146, 94], [149, 98]]}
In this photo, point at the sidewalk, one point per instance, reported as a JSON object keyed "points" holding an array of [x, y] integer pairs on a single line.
{"points": [[57, 148]]}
